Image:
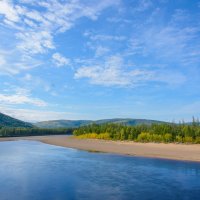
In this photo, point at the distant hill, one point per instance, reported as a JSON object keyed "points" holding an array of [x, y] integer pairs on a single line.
{"points": [[128, 121], [7, 121], [62, 123], [78, 123]]}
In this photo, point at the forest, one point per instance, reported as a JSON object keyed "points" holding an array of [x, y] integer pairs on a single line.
{"points": [[165, 133], [16, 132]]}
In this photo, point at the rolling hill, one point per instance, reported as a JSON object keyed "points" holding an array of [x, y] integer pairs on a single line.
{"points": [[78, 123], [7, 121], [62, 123]]}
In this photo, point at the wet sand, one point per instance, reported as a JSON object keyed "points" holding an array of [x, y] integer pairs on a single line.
{"points": [[167, 151]]}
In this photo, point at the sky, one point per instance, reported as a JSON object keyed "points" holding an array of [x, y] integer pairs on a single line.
{"points": [[91, 59]]}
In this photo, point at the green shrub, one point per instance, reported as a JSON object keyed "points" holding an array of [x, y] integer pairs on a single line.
{"points": [[104, 136], [143, 137], [168, 137], [188, 139], [179, 139], [156, 138], [197, 140]]}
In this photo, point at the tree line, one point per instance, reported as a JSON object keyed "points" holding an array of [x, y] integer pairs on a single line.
{"points": [[166, 132], [16, 132]]}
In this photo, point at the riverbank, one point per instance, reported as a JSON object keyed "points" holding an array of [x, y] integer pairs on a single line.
{"points": [[153, 150]]}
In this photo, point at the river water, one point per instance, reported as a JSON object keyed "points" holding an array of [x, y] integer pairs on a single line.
{"points": [[35, 171]]}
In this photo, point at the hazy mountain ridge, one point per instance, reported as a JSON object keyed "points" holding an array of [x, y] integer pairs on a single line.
{"points": [[78, 123], [7, 121], [62, 123]]}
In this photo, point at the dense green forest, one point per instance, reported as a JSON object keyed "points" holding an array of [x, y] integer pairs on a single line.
{"points": [[167, 132], [7, 121], [16, 132]]}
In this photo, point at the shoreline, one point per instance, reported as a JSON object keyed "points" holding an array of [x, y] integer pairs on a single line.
{"points": [[184, 152]]}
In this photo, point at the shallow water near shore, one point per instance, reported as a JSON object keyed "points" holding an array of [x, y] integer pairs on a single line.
{"points": [[35, 171]]}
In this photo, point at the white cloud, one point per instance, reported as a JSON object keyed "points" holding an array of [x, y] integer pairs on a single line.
{"points": [[97, 37], [35, 24], [175, 41], [136, 46], [60, 60], [100, 51], [143, 5], [20, 99], [12, 63], [58, 16], [115, 72], [21, 96], [112, 73], [2, 60], [35, 42], [34, 82], [27, 77], [118, 20], [5, 68], [8, 10]]}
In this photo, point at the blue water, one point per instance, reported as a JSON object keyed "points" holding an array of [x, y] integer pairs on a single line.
{"points": [[36, 171]]}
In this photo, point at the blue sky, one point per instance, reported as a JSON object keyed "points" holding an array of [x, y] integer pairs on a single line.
{"points": [[90, 59]]}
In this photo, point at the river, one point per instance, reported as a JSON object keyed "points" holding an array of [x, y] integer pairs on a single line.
{"points": [[32, 170]]}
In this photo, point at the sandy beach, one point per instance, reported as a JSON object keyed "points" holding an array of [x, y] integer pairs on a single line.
{"points": [[167, 151]]}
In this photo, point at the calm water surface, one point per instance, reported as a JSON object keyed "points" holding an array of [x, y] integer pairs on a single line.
{"points": [[36, 171]]}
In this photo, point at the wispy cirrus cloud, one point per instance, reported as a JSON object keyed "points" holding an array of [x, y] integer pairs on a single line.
{"points": [[118, 45], [13, 63], [174, 41], [20, 97], [8, 10], [114, 72], [34, 30], [55, 16], [60, 60], [143, 5], [35, 42], [173, 44], [101, 50], [34, 82], [103, 37]]}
